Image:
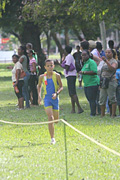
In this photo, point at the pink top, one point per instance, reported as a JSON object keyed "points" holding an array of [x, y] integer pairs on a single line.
{"points": [[30, 63], [70, 59]]}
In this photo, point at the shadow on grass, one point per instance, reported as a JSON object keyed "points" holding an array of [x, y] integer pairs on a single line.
{"points": [[26, 146], [5, 65], [5, 78]]}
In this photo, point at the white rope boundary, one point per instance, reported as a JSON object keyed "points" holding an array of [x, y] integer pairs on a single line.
{"points": [[29, 124], [91, 139], [54, 121]]}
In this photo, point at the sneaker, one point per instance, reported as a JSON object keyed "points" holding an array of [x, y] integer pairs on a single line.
{"points": [[53, 141], [19, 109]]}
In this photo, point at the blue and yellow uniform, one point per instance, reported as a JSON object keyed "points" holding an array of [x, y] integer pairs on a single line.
{"points": [[49, 89]]}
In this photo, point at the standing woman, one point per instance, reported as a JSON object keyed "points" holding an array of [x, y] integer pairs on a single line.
{"points": [[25, 63], [33, 76], [108, 71], [17, 81], [90, 79]]}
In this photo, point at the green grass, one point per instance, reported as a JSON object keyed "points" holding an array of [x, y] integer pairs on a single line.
{"points": [[26, 153], [54, 56]]}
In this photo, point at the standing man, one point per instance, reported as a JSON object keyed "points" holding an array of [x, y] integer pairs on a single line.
{"points": [[71, 79], [78, 64]]}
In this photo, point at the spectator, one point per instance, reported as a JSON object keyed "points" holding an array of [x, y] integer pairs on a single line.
{"points": [[108, 71], [71, 79], [111, 46], [118, 89], [18, 81], [85, 46], [96, 51], [24, 60], [90, 79], [118, 51], [33, 77], [28, 47], [78, 64]]}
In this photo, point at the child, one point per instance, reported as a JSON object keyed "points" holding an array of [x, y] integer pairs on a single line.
{"points": [[29, 46], [33, 78], [52, 85]]}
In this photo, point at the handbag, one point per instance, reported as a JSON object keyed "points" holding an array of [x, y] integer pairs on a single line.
{"points": [[104, 82], [71, 68]]}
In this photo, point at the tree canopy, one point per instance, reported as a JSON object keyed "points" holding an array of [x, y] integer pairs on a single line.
{"points": [[27, 19]]}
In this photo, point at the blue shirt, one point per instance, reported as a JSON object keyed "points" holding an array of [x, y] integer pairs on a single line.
{"points": [[118, 76], [102, 53]]}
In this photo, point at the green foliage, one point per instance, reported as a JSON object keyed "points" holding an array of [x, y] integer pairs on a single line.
{"points": [[58, 16], [11, 16], [2, 7], [99, 10]]}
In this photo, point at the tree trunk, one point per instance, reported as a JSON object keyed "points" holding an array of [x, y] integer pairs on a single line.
{"points": [[48, 42], [78, 35], [103, 34], [117, 36], [31, 34], [66, 37], [54, 36]]}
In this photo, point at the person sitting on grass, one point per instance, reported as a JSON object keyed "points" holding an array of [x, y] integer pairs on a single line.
{"points": [[52, 86], [17, 81]]}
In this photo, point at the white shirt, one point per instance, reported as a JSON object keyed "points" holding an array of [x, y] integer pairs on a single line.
{"points": [[95, 52], [70, 59], [17, 65]]}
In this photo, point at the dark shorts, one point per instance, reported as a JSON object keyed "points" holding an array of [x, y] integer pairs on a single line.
{"points": [[71, 81], [19, 86], [118, 95]]}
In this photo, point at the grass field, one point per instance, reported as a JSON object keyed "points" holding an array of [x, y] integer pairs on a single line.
{"points": [[26, 153]]}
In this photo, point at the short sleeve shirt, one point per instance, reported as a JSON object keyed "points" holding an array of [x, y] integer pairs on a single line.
{"points": [[106, 72], [69, 59], [95, 52], [31, 62], [18, 65], [24, 63], [90, 80]]}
